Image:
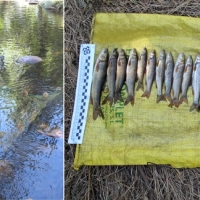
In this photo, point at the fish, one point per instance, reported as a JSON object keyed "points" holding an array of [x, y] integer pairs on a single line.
{"points": [[121, 74], [111, 75], [169, 68], [29, 59], [177, 79], [142, 61], [150, 73], [187, 75], [196, 84], [99, 76], [160, 72], [131, 75]]}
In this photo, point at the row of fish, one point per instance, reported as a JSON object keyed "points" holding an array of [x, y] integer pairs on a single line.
{"points": [[118, 69]]}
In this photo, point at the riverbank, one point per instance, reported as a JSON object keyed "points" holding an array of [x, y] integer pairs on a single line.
{"points": [[54, 5]]}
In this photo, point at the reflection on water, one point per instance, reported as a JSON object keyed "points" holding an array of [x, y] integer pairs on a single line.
{"points": [[31, 100]]}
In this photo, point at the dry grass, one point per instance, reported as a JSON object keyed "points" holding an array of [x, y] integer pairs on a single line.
{"points": [[112, 182]]}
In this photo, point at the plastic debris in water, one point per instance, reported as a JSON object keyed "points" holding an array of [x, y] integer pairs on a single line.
{"points": [[29, 59]]}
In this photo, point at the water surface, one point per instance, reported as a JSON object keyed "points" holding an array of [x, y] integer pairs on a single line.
{"points": [[31, 100]]}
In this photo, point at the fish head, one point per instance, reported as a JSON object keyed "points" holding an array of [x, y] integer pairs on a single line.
{"points": [[198, 59], [104, 54], [181, 57], [133, 53], [143, 52], [152, 54], [169, 57], [121, 53], [162, 54], [114, 52], [189, 61]]}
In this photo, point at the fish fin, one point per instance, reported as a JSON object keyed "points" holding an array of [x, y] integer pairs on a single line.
{"points": [[160, 98], [130, 99], [165, 66], [91, 100], [185, 70], [119, 62], [129, 63], [183, 99], [108, 98], [140, 86], [146, 94], [118, 97], [176, 102], [97, 67], [194, 106], [168, 97], [176, 70], [97, 112], [171, 104], [194, 67]]}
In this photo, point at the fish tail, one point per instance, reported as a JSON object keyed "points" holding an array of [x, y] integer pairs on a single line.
{"points": [[146, 94], [97, 112], [140, 86], [184, 99], [168, 97], [174, 102], [108, 98], [194, 106], [130, 99], [118, 97], [160, 98]]}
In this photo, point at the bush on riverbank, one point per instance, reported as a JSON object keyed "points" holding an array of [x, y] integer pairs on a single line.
{"points": [[55, 6]]}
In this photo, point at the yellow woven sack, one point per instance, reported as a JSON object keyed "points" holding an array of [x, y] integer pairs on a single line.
{"points": [[146, 132]]}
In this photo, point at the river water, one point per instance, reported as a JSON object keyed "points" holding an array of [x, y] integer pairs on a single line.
{"points": [[31, 102]]}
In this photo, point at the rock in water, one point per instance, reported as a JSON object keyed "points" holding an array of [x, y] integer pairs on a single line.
{"points": [[29, 59]]}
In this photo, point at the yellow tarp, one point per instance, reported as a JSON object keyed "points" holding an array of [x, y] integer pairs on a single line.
{"points": [[147, 132]]}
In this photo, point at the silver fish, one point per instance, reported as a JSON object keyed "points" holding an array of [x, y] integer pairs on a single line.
{"points": [[169, 68], [150, 73], [142, 61], [111, 75], [29, 59], [160, 71], [131, 74], [177, 79], [99, 76], [187, 75], [196, 84], [121, 73]]}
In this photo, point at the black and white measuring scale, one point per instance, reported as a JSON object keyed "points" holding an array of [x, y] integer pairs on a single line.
{"points": [[84, 81]]}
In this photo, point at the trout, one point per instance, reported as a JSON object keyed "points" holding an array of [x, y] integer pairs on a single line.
{"points": [[131, 74], [142, 61], [121, 73], [187, 75], [150, 73], [111, 75], [99, 76], [160, 76], [177, 79], [196, 84], [169, 68]]}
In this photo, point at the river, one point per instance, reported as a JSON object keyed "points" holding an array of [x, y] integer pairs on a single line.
{"points": [[31, 100]]}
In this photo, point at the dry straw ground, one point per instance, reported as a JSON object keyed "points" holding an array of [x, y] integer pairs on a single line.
{"points": [[114, 182]]}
